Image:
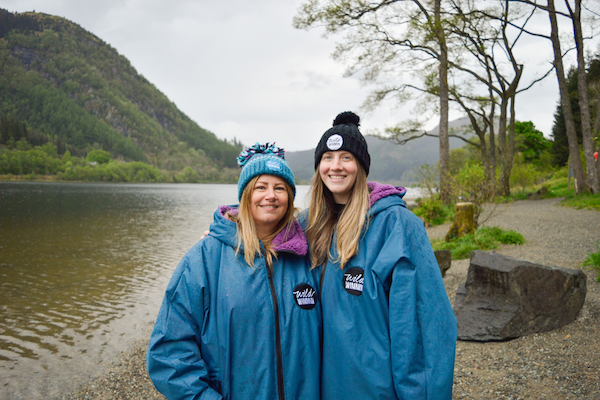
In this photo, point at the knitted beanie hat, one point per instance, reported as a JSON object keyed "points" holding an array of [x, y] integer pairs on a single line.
{"points": [[344, 135], [263, 159]]}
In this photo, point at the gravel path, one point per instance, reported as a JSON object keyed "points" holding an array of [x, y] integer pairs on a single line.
{"points": [[561, 364]]}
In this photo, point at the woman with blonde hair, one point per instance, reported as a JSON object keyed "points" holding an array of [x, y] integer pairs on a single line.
{"points": [[240, 318], [389, 331]]}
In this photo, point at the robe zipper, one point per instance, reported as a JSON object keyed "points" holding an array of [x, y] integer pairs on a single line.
{"points": [[280, 382]]}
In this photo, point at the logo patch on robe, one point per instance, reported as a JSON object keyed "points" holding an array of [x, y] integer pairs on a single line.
{"points": [[353, 280], [305, 296]]}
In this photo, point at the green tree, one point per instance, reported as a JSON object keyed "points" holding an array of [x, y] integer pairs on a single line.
{"points": [[530, 142], [99, 156], [523, 174]]}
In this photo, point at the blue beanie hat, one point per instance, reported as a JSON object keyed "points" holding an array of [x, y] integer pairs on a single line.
{"points": [[263, 159]]}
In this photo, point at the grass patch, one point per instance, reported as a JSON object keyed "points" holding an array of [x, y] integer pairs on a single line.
{"points": [[593, 261], [586, 200], [485, 238], [558, 186]]}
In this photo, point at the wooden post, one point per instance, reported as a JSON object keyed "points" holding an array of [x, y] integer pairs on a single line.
{"points": [[464, 222]]}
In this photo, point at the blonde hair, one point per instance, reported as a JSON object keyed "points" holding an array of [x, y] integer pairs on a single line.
{"points": [[246, 227], [323, 220]]}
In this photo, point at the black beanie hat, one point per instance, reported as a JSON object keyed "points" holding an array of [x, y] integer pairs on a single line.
{"points": [[345, 136]]}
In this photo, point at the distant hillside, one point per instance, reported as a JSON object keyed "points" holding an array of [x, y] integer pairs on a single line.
{"points": [[62, 84], [390, 163]]}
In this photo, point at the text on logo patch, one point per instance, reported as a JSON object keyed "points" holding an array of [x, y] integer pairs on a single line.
{"points": [[305, 296], [335, 142], [353, 280], [273, 165]]}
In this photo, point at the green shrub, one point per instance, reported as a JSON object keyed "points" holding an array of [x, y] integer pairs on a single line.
{"points": [[523, 175], [485, 238], [99, 156], [469, 184], [186, 175], [433, 211]]}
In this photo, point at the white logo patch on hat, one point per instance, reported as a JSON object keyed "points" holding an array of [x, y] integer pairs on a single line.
{"points": [[273, 165], [335, 142]]}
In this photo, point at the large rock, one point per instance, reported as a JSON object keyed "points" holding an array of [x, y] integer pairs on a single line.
{"points": [[504, 298], [537, 195]]}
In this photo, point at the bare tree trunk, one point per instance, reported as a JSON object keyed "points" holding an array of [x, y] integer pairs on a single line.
{"points": [[581, 186], [506, 163], [584, 105], [511, 135], [509, 93], [443, 132], [493, 161]]}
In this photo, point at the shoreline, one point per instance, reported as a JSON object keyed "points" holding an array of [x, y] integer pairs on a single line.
{"points": [[559, 364]]}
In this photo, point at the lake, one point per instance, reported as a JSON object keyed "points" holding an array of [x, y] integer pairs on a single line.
{"points": [[83, 269]]}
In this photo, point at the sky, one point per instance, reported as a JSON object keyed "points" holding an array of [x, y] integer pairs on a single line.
{"points": [[240, 69]]}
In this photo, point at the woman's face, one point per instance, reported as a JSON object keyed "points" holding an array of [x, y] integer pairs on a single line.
{"points": [[338, 170], [268, 203]]}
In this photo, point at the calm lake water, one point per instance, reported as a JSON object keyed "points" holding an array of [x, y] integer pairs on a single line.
{"points": [[83, 269]]}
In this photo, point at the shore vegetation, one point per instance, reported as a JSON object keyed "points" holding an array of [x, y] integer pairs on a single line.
{"points": [[43, 163]]}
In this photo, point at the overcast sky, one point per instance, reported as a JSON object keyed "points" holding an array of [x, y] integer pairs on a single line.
{"points": [[239, 69]]}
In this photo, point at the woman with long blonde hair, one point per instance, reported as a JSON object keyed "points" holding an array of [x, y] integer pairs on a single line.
{"points": [[241, 316], [389, 331]]}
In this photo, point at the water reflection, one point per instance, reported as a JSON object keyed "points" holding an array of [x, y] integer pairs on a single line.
{"points": [[82, 271]]}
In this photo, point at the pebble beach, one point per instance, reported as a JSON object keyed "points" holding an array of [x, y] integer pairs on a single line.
{"points": [[560, 364]]}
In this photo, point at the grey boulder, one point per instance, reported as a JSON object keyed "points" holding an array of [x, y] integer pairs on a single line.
{"points": [[504, 298]]}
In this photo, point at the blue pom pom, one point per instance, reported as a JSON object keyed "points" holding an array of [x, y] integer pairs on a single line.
{"points": [[258, 148]]}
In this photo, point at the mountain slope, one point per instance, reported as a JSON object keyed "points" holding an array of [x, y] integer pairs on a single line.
{"points": [[69, 87]]}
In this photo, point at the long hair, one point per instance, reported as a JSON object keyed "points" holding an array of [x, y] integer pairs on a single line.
{"points": [[323, 221], [246, 228]]}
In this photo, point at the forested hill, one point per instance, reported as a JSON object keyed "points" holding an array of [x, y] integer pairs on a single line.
{"points": [[61, 84]]}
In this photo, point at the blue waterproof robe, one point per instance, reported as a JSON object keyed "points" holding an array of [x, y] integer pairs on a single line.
{"points": [[389, 331], [227, 330]]}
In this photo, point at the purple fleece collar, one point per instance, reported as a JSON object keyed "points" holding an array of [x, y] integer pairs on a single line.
{"points": [[291, 238], [224, 209], [379, 191]]}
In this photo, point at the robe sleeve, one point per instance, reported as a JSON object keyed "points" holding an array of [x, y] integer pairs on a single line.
{"points": [[174, 358], [422, 324]]}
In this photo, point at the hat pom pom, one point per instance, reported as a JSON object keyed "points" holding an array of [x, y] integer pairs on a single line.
{"points": [[267, 148], [346, 118]]}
